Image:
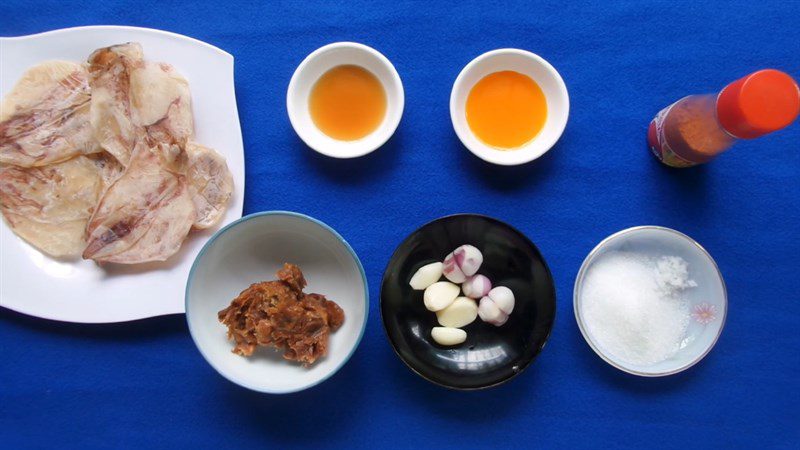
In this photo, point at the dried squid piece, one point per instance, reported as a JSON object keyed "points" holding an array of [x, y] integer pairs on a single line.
{"points": [[161, 102], [110, 113], [50, 206], [45, 117], [144, 216], [131, 97], [210, 183], [109, 168]]}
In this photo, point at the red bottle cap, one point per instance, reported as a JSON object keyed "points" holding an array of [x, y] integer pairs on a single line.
{"points": [[760, 103]]}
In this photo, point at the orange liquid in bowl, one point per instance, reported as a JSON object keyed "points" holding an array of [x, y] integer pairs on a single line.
{"points": [[506, 110], [347, 103]]}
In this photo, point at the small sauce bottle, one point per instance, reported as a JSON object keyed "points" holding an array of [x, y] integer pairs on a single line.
{"points": [[697, 128]]}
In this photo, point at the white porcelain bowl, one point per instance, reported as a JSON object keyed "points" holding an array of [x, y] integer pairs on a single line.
{"points": [[526, 63], [708, 296], [313, 67], [251, 250]]}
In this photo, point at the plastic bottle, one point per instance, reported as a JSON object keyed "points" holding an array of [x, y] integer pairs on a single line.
{"points": [[697, 128]]}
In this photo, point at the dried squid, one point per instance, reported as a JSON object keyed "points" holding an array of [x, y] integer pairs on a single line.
{"points": [[210, 184], [146, 214], [110, 112], [50, 206], [97, 159], [44, 119], [131, 97], [161, 102]]}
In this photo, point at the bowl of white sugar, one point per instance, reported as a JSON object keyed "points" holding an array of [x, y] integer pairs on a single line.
{"points": [[650, 301]]}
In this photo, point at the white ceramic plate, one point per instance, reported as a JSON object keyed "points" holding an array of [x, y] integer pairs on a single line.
{"points": [[82, 291], [708, 301], [251, 250]]}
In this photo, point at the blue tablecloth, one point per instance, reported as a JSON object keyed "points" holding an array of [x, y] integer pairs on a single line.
{"points": [[144, 384]]}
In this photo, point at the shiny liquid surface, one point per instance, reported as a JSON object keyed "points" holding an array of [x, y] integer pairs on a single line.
{"points": [[347, 103], [506, 109]]}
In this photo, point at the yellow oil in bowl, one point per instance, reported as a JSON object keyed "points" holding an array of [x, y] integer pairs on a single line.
{"points": [[347, 103], [506, 109]]}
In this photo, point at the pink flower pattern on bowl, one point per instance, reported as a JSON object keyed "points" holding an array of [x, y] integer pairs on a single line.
{"points": [[704, 313]]}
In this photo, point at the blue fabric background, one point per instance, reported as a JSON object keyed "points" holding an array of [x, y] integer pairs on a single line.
{"points": [[144, 384]]}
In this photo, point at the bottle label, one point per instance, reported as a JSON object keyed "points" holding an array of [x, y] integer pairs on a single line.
{"points": [[658, 142]]}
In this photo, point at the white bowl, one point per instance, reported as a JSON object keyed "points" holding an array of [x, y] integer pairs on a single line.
{"points": [[526, 63], [313, 67], [709, 292], [251, 250]]}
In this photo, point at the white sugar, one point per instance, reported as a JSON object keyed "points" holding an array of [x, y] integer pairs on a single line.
{"points": [[633, 305]]}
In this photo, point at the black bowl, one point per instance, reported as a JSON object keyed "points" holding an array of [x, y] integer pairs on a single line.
{"points": [[491, 355]]}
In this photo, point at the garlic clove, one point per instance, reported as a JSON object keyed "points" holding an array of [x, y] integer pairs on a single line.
{"points": [[426, 276], [440, 295], [448, 336], [462, 312]]}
